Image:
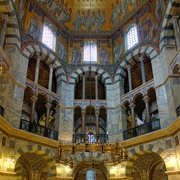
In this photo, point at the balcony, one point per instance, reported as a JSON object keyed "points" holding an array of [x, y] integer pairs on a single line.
{"points": [[91, 138], [142, 129], [38, 129]]}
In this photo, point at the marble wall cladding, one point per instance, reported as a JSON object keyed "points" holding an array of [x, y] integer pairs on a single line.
{"points": [[19, 65], [11, 99], [168, 100], [66, 124], [66, 94], [160, 68], [112, 95], [114, 124]]}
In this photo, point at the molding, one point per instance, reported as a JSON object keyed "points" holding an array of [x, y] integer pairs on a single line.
{"points": [[169, 77], [7, 173], [169, 173]]}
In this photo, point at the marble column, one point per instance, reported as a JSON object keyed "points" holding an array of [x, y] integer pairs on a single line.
{"points": [[142, 69], [48, 106], [34, 98], [129, 77], [97, 121], [50, 77], [132, 106], [96, 84], [4, 18], [37, 70], [174, 21], [146, 100], [83, 113], [83, 86]]}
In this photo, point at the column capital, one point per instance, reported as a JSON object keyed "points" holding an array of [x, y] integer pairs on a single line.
{"points": [[97, 112], [4, 17], [128, 66], [83, 112], [132, 105], [141, 58], [51, 66], [174, 18], [48, 105], [34, 98], [146, 98]]}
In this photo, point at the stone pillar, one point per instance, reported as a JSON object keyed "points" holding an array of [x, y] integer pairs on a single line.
{"points": [[83, 113], [96, 84], [129, 77], [83, 86], [174, 21], [97, 121], [34, 98], [48, 106], [132, 106], [146, 100], [142, 69], [37, 70], [3, 29], [50, 77]]}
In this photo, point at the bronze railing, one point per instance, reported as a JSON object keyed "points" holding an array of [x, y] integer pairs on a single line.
{"points": [[142, 129], [38, 129]]}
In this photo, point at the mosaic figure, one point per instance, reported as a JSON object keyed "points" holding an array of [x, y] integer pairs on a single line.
{"points": [[104, 56], [49, 2], [21, 9], [88, 21], [76, 56], [65, 13], [61, 51], [33, 28], [57, 7], [115, 15], [117, 51], [123, 6], [99, 21], [78, 21], [158, 11]]}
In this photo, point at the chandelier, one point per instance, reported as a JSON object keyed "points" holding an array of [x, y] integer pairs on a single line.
{"points": [[108, 154]]}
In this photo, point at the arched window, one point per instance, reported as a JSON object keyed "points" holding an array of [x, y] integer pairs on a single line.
{"points": [[90, 175], [90, 51], [49, 36], [131, 36]]}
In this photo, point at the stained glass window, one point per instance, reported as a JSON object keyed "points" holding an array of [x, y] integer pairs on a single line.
{"points": [[90, 175], [48, 37], [131, 37], [90, 51]]}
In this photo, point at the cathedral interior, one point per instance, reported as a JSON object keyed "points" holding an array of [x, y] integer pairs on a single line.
{"points": [[89, 89]]}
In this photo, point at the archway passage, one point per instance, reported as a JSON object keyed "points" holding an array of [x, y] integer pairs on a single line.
{"points": [[32, 166], [149, 166]]}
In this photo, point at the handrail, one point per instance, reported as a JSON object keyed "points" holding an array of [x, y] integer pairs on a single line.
{"points": [[38, 129], [142, 129]]}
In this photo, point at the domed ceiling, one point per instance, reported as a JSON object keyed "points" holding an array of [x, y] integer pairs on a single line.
{"points": [[99, 17]]}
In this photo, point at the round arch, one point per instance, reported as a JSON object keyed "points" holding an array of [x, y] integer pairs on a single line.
{"points": [[150, 51], [37, 49]]}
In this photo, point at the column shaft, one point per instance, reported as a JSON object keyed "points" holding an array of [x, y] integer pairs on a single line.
{"points": [[50, 77], [146, 100], [83, 112], [37, 70], [132, 106], [96, 81], [33, 99], [83, 86], [142, 69], [97, 121], [129, 77], [48, 106], [3, 29]]}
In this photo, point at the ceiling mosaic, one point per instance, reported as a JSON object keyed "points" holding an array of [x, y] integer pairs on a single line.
{"points": [[96, 16]]}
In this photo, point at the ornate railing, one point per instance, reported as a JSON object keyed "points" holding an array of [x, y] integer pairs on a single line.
{"points": [[38, 129], [142, 129], [90, 138]]}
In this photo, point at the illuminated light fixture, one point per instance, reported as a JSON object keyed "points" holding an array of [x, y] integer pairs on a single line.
{"points": [[11, 159], [170, 157]]}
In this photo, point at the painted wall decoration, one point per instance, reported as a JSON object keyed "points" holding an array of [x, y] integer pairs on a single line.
{"points": [[62, 53], [117, 51], [104, 56], [76, 56]]}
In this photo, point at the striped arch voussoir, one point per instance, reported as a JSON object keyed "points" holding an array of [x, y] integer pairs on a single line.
{"points": [[44, 152]]}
